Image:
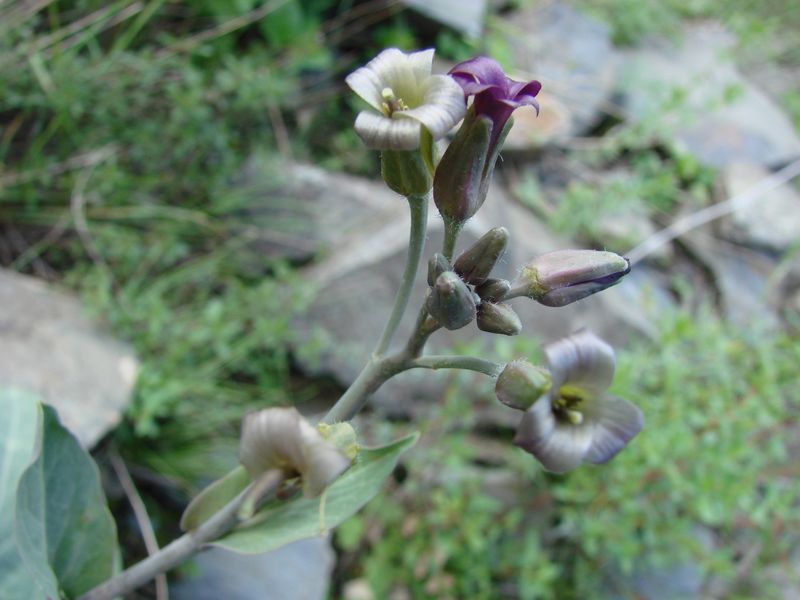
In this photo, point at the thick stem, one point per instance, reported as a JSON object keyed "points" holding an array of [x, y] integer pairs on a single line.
{"points": [[468, 363], [179, 550], [451, 231], [416, 243], [372, 376]]}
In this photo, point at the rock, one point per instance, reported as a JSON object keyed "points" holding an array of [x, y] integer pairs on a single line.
{"points": [[572, 55], [719, 115], [51, 349], [357, 281], [465, 16], [740, 277], [357, 589], [300, 571], [772, 221]]}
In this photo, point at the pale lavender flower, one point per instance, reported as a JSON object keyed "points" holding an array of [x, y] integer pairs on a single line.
{"points": [[577, 420], [406, 97]]}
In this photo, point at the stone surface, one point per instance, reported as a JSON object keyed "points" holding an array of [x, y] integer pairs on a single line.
{"points": [[465, 16], [716, 112], [572, 55], [50, 348], [357, 282], [772, 221], [300, 571]]}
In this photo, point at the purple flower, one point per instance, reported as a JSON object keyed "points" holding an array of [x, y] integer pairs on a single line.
{"points": [[496, 95], [463, 176], [577, 419]]}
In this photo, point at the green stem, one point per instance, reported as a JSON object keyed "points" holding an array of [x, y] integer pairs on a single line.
{"points": [[416, 242], [451, 231], [468, 363]]}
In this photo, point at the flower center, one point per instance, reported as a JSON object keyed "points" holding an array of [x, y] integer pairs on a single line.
{"points": [[567, 406], [391, 103]]}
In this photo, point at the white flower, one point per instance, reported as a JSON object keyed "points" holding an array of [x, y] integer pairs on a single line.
{"points": [[280, 438], [577, 420], [406, 96]]}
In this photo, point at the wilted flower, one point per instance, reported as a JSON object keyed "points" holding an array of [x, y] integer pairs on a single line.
{"points": [[406, 97], [280, 438], [577, 420], [465, 171], [561, 277]]}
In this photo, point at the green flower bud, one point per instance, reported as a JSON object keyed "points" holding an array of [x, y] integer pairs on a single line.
{"points": [[451, 302], [493, 290], [436, 266], [498, 318], [521, 384], [564, 276], [477, 261]]}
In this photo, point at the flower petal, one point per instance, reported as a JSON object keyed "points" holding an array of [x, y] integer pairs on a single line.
{"points": [[615, 422], [443, 106], [383, 133], [482, 69], [560, 447], [581, 360]]}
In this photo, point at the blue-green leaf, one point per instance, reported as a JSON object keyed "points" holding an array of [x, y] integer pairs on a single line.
{"points": [[282, 522], [21, 413], [65, 533]]}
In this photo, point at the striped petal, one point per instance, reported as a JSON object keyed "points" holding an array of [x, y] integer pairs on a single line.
{"points": [[443, 106], [582, 361], [615, 422], [384, 133]]}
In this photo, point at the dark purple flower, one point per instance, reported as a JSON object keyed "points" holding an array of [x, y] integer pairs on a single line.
{"points": [[496, 95]]}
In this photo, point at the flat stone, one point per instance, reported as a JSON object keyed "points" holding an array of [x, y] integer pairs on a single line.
{"points": [[574, 58], [300, 571], [717, 113], [772, 221], [50, 348]]}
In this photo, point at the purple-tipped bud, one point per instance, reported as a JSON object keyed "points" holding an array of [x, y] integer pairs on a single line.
{"points": [[436, 266], [451, 302], [477, 261], [564, 276], [521, 384], [498, 318], [493, 290]]}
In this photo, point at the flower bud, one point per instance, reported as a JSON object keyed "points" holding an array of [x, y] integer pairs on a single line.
{"points": [[280, 438], [493, 290], [477, 261], [564, 276], [436, 266], [463, 175], [451, 302], [521, 384], [406, 171], [498, 318]]}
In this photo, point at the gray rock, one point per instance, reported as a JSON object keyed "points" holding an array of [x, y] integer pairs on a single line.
{"points": [[298, 571], [465, 16], [51, 349], [772, 222], [357, 281], [572, 55], [716, 112]]}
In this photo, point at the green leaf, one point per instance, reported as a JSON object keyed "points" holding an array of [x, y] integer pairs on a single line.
{"points": [[282, 522], [65, 532], [213, 498], [21, 414]]}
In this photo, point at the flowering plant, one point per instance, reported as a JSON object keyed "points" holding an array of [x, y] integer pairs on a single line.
{"points": [[568, 416]]}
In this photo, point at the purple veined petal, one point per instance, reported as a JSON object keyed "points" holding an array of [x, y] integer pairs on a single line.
{"points": [[381, 133], [482, 69], [521, 89], [615, 422], [560, 447], [443, 106], [573, 293], [472, 87], [581, 360]]}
